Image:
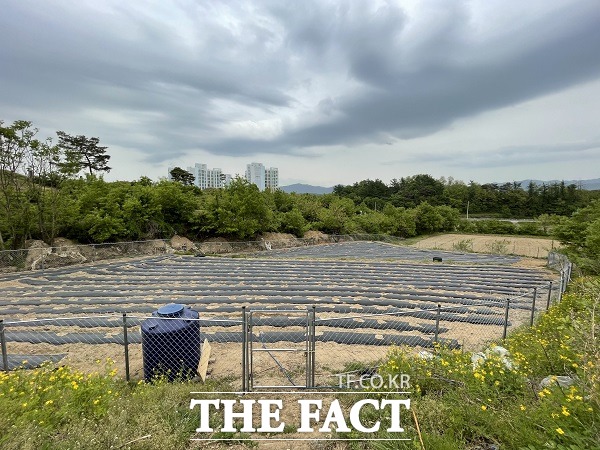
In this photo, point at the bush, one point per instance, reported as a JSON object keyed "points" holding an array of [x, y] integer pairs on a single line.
{"points": [[495, 227], [50, 408], [463, 405], [465, 245]]}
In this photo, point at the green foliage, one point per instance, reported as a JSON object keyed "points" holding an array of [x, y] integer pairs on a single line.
{"points": [[336, 217], [581, 235], [465, 245], [530, 229], [82, 153], [104, 212], [410, 192], [507, 200], [240, 210], [401, 221], [182, 176], [461, 404], [29, 175], [61, 407], [40, 201], [428, 219], [293, 222]]}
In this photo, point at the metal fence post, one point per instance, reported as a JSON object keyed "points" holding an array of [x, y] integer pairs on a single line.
{"points": [[312, 347], [560, 289], [506, 318], [3, 345], [126, 346], [437, 322], [308, 345], [244, 350], [549, 296], [533, 306]]}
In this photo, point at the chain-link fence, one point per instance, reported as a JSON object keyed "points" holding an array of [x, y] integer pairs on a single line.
{"points": [[39, 256], [298, 318], [307, 346]]}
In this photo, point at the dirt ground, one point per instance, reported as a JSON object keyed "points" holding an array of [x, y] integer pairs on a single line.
{"points": [[482, 243], [270, 368]]}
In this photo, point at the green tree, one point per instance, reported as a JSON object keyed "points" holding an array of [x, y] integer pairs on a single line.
{"points": [[239, 210], [412, 191], [29, 179], [82, 153], [45, 182], [581, 235], [402, 222], [427, 219], [337, 214], [293, 222], [450, 218], [182, 176]]}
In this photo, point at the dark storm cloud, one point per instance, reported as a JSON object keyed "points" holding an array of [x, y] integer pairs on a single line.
{"points": [[181, 73], [58, 62]]}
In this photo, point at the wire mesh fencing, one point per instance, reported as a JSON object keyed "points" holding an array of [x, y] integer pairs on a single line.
{"points": [[40, 256], [360, 343], [133, 346], [300, 347]]}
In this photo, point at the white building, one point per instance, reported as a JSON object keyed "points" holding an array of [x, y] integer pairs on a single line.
{"points": [[255, 174], [206, 178], [272, 178]]}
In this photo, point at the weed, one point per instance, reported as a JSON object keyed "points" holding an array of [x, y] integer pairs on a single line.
{"points": [[464, 245], [498, 247]]}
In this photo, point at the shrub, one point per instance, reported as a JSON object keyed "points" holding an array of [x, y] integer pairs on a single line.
{"points": [[465, 405], [465, 245]]}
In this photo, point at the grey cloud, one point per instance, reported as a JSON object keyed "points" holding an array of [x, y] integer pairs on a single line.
{"points": [[510, 156], [170, 76], [409, 98]]}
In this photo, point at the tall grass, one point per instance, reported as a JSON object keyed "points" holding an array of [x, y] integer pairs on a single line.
{"points": [[60, 408], [498, 402]]}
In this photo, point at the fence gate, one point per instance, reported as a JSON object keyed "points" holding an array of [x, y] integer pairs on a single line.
{"points": [[278, 349]]}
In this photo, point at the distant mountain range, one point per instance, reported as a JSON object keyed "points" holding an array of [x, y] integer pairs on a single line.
{"points": [[306, 189], [588, 185]]}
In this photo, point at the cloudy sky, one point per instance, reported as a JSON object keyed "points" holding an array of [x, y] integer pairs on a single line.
{"points": [[329, 92]]}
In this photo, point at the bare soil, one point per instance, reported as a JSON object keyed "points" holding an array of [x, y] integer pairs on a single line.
{"points": [[482, 243]]}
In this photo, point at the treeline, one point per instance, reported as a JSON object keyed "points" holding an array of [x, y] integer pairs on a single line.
{"points": [[507, 200], [49, 190], [33, 176], [93, 210]]}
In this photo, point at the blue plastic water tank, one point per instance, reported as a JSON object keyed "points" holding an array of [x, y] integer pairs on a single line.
{"points": [[171, 343]]}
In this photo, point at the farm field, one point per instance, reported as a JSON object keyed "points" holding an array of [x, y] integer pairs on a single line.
{"points": [[367, 297], [481, 243]]}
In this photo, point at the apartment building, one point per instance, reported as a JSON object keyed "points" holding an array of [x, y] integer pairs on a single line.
{"points": [[272, 178], [256, 173]]}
